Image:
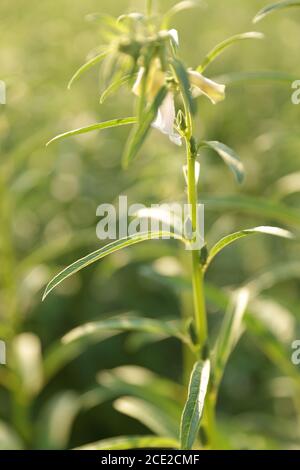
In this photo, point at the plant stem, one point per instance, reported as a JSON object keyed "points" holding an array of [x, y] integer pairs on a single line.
{"points": [[197, 274], [200, 316]]}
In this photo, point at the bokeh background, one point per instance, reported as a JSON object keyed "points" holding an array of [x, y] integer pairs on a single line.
{"points": [[48, 201]]}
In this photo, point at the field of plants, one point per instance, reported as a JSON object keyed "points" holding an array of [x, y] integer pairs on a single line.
{"points": [[147, 342]]}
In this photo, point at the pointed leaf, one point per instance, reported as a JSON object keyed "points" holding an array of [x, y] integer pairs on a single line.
{"points": [[229, 239], [217, 50], [140, 133], [150, 415], [179, 7], [184, 84], [104, 251], [55, 421], [229, 157], [230, 332], [27, 353], [193, 410], [275, 7], [125, 323], [94, 127], [89, 64], [113, 87], [133, 442], [267, 342]]}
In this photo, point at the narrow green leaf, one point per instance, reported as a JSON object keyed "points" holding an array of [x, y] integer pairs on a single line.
{"points": [[150, 415], [230, 332], [229, 239], [219, 48], [229, 157], [140, 132], [125, 323], [193, 410], [102, 252], [278, 353], [113, 87], [235, 78], [97, 59], [94, 127], [88, 65], [179, 7], [30, 373], [184, 84], [143, 383], [55, 421], [267, 342], [275, 7], [133, 442]]}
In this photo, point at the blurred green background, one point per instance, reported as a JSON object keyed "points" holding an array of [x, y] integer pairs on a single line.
{"points": [[48, 201]]}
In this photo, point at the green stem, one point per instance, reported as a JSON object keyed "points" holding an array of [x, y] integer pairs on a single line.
{"points": [[200, 316], [197, 274]]}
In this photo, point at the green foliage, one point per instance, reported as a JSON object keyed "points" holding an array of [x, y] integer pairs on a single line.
{"points": [[76, 339], [220, 48], [218, 247], [94, 127], [193, 410], [101, 253], [275, 7], [140, 133], [132, 442], [229, 157], [87, 66]]}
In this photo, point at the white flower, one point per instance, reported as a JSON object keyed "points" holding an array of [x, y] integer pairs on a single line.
{"points": [[156, 79], [166, 118], [166, 113], [204, 86]]}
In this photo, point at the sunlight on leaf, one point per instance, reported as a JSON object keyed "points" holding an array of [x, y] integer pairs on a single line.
{"points": [[54, 424], [133, 442], [179, 7], [88, 65], [275, 7], [94, 127], [229, 157], [193, 410], [105, 251], [228, 240], [125, 323], [217, 50], [150, 415], [230, 332], [113, 87]]}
